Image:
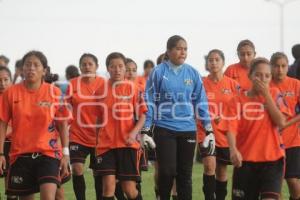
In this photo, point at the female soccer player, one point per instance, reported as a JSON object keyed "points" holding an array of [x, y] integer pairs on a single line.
{"points": [[239, 71], [174, 91], [34, 108], [219, 90], [290, 89], [255, 143], [81, 95], [121, 116], [5, 82], [142, 80]]}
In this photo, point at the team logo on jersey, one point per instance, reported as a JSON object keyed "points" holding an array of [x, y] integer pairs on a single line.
{"points": [[238, 193], [53, 143], [74, 147], [17, 179], [44, 104], [226, 91], [99, 160], [188, 82]]}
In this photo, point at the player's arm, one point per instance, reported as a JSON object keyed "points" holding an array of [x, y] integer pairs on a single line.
{"points": [[3, 128], [64, 138], [136, 129], [235, 156]]}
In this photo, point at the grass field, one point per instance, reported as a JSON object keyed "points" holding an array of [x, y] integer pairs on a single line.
{"points": [[147, 186]]}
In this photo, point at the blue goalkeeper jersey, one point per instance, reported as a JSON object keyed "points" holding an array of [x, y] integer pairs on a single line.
{"points": [[175, 96]]}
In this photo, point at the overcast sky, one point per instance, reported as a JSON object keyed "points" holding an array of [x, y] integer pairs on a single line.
{"points": [[64, 29]]}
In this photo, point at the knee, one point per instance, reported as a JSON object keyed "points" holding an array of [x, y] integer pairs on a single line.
{"points": [[292, 181], [129, 188], [221, 173], [209, 166], [77, 169]]}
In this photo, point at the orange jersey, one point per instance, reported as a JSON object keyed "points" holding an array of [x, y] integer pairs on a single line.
{"points": [[257, 138], [240, 74], [33, 114], [218, 94], [290, 89], [142, 81], [82, 97], [118, 112]]}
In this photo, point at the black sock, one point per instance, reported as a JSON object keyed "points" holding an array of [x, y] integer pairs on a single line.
{"points": [[221, 190], [209, 187], [108, 198], [294, 199], [156, 193], [98, 187], [119, 192], [79, 187], [174, 197]]}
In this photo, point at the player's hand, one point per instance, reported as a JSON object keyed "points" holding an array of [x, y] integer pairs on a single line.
{"points": [[236, 157], [147, 142], [131, 139], [261, 87], [2, 164], [63, 167]]}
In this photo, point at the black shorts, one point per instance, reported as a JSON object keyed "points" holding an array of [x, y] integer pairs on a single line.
{"points": [[292, 163], [7, 144], [26, 174], [79, 152], [122, 162], [254, 180], [222, 154]]}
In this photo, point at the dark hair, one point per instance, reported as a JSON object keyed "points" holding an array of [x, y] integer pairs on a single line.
{"points": [[2, 68], [6, 59], [129, 60], [160, 58], [114, 55], [72, 72], [19, 64], [172, 42], [276, 56], [296, 51], [256, 62], [245, 43], [49, 77], [148, 62], [217, 51], [37, 54], [89, 55]]}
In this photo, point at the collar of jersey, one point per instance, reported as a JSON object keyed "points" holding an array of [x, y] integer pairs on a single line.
{"points": [[175, 68]]}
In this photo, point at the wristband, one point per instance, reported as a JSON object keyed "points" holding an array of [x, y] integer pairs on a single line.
{"points": [[65, 151]]}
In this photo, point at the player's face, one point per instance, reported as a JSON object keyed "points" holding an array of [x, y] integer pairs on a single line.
{"points": [[263, 73], [5, 80], [131, 71], [178, 54], [246, 55], [3, 63], [148, 69], [116, 69], [280, 69], [215, 63], [33, 69], [88, 66]]}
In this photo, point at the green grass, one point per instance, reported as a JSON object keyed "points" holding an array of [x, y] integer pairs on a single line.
{"points": [[147, 185]]}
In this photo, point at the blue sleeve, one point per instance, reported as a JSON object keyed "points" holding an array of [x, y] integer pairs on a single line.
{"points": [[200, 103], [150, 97]]}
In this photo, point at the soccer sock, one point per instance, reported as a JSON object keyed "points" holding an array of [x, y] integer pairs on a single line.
{"points": [[98, 187], [108, 198], [174, 197], [79, 187], [119, 192], [156, 193], [221, 190], [294, 199], [209, 187]]}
